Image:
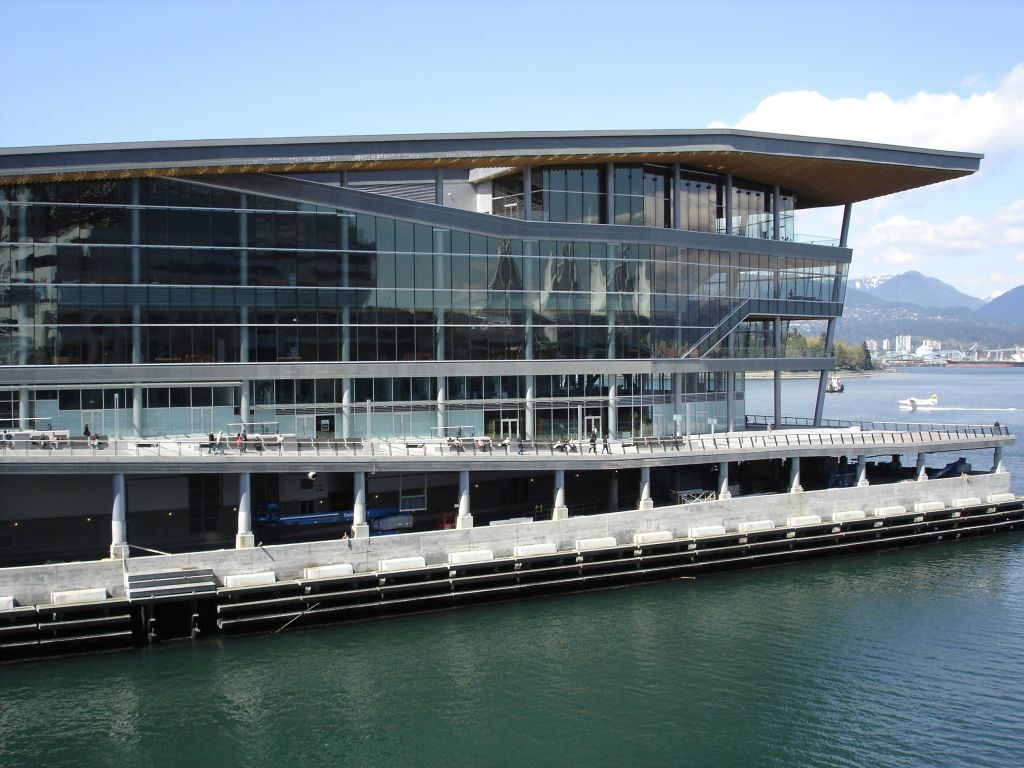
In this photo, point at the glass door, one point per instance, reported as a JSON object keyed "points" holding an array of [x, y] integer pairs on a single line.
{"points": [[509, 428]]}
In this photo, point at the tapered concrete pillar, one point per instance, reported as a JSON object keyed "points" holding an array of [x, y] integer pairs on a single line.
{"points": [[442, 415], [613, 408], [723, 481], [560, 511], [677, 401], [646, 502], [530, 428], [862, 471], [243, 401], [118, 521], [244, 538], [997, 460], [137, 412], [794, 475], [465, 519], [346, 407], [24, 418], [360, 530], [613, 492], [919, 469]]}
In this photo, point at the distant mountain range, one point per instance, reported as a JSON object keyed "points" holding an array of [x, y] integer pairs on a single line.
{"points": [[885, 306], [918, 289]]}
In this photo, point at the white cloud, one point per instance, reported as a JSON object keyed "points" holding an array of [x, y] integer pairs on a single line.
{"points": [[988, 121], [899, 240]]}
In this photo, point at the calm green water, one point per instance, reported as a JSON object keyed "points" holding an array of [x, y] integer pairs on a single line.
{"points": [[903, 658]]}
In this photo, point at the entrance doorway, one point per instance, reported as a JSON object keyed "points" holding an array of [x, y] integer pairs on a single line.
{"points": [[305, 426], [401, 424], [202, 420], [95, 421], [509, 428], [593, 424]]}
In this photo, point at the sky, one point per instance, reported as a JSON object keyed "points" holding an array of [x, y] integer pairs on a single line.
{"points": [[937, 74]]}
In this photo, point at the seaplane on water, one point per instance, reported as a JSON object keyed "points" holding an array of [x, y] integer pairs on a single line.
{"points": [[913, 403]]}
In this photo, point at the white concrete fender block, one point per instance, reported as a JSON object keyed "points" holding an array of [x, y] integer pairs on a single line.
{"points": [[528, 550], [753, 526], [260, 579], [802, 520], [328, 571], [999, 498], [73, 596], [6, 603], [652, 537], [598, 542], [846, 517], [929, 506], [471, 556], [402, 563], [892, 511], [703, 531], [967, 501]]}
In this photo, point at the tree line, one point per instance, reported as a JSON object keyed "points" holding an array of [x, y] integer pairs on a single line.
{"points": [[849, 357]]}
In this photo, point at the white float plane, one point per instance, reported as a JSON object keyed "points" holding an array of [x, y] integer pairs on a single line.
{"points": [[912, 403]]}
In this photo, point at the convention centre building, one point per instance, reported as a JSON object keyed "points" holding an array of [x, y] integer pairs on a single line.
{"points": [[244, 333]]}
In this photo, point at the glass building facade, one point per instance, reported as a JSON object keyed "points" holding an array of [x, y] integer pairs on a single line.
{"points": [[160, 271]]}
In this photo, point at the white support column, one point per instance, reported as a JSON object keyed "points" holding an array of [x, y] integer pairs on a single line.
{"points": [[862, 471], [244, 538], [613, 407], [723, 481], [530, 428], [118, 521], [24, 415], [997, 460], [360, 530], [527, 193], [794, 475], [137, 411], [465, 519], [560, 511], [677, 403], [646, 502], [346, 407], [776, 221], [919, 469], [243, 403], [613, 492], [676, 202], [442, 412], [728, 203]]}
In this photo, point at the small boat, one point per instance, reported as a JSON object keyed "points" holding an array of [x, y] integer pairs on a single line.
{"points": [[912, 403], [835, 384]]}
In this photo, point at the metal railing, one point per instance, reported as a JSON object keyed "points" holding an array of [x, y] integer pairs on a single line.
{"points": [[883, 436], [756, 422]]}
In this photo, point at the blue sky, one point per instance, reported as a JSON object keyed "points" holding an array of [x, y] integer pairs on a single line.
{"points": [[937, 74]]}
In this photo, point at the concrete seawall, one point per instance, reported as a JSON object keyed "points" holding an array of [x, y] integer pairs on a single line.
{"points": [[33, 585]]}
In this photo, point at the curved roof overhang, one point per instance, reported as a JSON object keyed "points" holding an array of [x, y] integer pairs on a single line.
{"points": [[820, 172]]}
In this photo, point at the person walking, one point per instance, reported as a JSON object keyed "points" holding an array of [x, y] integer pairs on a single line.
{"points": [[519, 445], [212, 442], [593, 442], [86, 432], [604, 444]]}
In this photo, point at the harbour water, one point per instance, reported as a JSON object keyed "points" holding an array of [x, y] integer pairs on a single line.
{"points": [[902, 658]]}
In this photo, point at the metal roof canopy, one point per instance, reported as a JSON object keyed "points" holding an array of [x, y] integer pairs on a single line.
{"points": [[820, 172]]}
